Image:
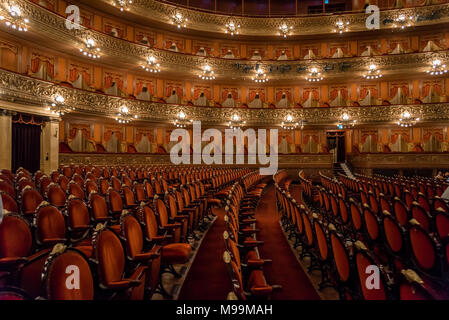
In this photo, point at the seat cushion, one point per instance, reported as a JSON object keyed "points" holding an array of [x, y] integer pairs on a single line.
{"points": [[176, 253]]}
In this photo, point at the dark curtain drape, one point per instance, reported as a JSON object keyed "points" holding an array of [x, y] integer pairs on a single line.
{"points": [[26, 146], [341, 149]]}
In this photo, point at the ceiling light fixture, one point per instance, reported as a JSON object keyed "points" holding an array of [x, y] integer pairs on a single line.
{"points": [[341, 26], [314, 75], [208, 73], [58, 107], [232, 28], [407, 120], [91, 50], [123, 5], [236, 122], [373, 73], [346, 122], [291, 124], [124, 116], [437, 68], [260, 76], [151, 65], [284, 29], [13, 18], [402, 21], [179, 20], [182, 121]]}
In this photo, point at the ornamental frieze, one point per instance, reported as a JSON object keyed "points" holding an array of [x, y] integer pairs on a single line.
{"points": [[23, 89], [125, 54]]}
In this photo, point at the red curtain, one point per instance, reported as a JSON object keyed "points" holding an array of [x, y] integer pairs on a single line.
{"points": [[288, 95], [169, 90], [252, 95], [234, 93]]}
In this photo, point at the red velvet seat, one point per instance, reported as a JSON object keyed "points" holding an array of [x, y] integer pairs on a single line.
{"points": [[31, 199], [111, 267], [75, 189], [98, 208], [9, 204], [56, 195]]}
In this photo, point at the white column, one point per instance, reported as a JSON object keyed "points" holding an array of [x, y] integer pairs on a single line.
{"points": [[5, 140], [50, 147]]}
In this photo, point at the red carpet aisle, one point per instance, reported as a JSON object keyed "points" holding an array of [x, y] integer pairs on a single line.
{"points": [[208, 278], [285, 269]]}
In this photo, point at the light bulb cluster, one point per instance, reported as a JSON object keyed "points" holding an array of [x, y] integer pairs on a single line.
{"points": [[285, 30], [289, 123], [181, 121], [124, 116], [341, 26], [207, 74], [260, 76], [373, 73], [407, 120], [232, 28], [437, 68], [91, 50], [314, 75], [236, 122], [13, 18], [151, 65], [123, 5], [402, 21], [346, 122], [58, 107], [179, 20]]}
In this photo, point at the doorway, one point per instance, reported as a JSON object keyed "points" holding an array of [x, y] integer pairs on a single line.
{"points": [[336, 144]]}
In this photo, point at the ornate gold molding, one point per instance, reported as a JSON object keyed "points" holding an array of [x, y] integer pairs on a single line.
{"points": [[399, 160], [129, 55], [302, 26], [26, 90], [284, 161]]}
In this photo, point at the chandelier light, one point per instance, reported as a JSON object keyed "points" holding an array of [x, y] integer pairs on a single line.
{"points": [[13, 18], [407, 120], [341, 26], [260, 76], [346, 122], [208, 73], [123, 5], [151, 65], [402, 21], [437, 68], [91, 50], [182, 121], [58, 107], [285, 30], [373, 73], [124, 116], [232, 28], [314, 75], [236, 122], [179, 20], [290, 123]]}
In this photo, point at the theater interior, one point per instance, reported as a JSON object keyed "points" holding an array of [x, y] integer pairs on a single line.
{"points": [[347, 99]]}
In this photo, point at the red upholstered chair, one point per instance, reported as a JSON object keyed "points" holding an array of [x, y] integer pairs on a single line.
{"points": [[394, 236], [412, 287], [372, 224], [128, 198], [90, 186], [110, 256], [324, 255], [6, 187], [67, 171], [78, 219], [13, 294], [43, 184], [440, 203], [63, 181], [164, 220], [116, 184], [178, 217], [441, 221], [426, 251], [104, 186], [77, 178], [363, 260], [115, 203], [342, 260], [127, 181], [23, 183], [31, 199], [98, 208], [58, 268], [424, 202], [400, 211], [139, 191], [50, 225], [148, 190], [420, 214], [131, 232], [54, 175], [75, 189], [15, 242], [356, 216], [9, 204], [56, 195]]}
